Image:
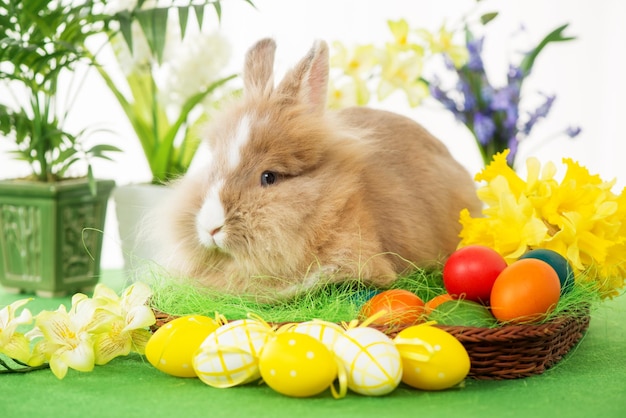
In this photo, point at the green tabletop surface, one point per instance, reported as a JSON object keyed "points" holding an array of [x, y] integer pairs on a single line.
{"points": [[589, 382]]}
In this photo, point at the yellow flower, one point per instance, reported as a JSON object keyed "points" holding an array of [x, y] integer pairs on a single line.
{"points": [[357, 63], [129, 319], [402, 71], [350, 92], [443, 42], [400, 32], [580, 218], [67, 337], [13, 343]]}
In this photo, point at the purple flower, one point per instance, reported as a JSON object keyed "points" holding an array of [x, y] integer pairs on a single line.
{"points": [[573, 131], [442, 97], [539, 113], [512, 145], [469, 101], [475, 61], [505, 97], [484, 128], [515, 74]]}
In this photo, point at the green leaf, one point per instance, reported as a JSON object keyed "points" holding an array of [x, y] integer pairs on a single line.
{"points": [[488, 17], [153, 22], [125, 22], [218, 10], [554, 36], [199, 11], [183, 17], [93, 187]]}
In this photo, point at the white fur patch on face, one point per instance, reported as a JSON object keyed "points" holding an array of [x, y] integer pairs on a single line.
{"points": [[242, 136], [211, 217]]}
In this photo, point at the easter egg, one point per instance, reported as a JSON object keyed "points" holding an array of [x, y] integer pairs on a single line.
{"points": [[371, 361], [463, 313], [297, 365], [325, 332], [432, 359], [525, 291], [471, 271], [396, 307], [170, 349], [559, 264], [436, 301], [229, 356]]}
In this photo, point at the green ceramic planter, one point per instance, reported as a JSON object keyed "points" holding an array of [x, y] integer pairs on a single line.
{"points": [[51, 235]]}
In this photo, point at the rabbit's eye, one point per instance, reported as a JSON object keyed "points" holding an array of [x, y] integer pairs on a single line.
{"points": [[268, 178]]}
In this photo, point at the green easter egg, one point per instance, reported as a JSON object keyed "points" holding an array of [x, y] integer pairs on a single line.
{"points": [[558, 263], [464, 313]]}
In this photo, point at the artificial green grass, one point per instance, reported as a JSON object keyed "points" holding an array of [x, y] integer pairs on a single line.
{"points": [[339, 302]]}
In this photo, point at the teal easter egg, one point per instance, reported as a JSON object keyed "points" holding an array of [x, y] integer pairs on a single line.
{"points": [[558, 263]]}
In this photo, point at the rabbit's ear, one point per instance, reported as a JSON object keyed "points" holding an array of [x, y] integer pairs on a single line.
{"points": [[308, 81], [259, 66]]}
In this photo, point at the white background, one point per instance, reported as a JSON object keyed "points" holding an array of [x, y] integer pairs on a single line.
{"points": [[586, 75]]}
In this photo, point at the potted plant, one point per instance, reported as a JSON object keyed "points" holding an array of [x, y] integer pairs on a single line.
{"points": [[50, 222], [172, 80]]}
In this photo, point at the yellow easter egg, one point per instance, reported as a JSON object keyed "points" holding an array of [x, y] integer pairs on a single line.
{"points": [[326, 332], [371, 360], [432, 358], [297, 365], [170, 349], [229, 356]]}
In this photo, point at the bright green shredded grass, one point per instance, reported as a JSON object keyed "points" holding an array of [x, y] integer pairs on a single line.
{"points": [[335, 303]]}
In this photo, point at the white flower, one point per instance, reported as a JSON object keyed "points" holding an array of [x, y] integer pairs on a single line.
{"points": [[115, 6], [13, 343], [196, 64], [68, 336], [130, 317]]}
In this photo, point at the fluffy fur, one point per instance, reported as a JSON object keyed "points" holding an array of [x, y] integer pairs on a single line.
{"points": [[358, 193]]}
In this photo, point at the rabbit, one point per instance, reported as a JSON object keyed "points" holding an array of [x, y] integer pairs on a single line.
{"points": [[294, 196]]}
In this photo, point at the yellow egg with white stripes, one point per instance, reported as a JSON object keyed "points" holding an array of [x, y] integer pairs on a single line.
{"points": [[326, 332], [229, 356], [371, 361]]}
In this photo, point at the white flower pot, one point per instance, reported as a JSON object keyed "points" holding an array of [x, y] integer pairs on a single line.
{"points": [[135, 206]]}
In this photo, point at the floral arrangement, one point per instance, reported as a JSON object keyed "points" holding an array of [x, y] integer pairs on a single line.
{"points": [[579, 217], [493, 114], [94, 331]]}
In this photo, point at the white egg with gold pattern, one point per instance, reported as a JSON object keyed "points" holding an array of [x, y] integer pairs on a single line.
{"points": [[371, 360], [326, 332], [229, 356]]}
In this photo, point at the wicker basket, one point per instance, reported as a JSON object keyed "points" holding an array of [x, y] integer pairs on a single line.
{"points": [[506, 352]]}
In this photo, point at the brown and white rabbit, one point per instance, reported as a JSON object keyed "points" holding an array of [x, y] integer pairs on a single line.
{"points": [[295, 196]]}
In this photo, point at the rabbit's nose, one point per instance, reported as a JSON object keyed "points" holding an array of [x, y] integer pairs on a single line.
{"points": [[215, 231]]}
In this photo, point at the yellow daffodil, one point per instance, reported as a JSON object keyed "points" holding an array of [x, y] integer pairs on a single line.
{"points": [[129, 319], [579, 217], [13, 343], [349, 92], [357, 63], [402, 72], [443, 42], [400, 32], [67, 337]]}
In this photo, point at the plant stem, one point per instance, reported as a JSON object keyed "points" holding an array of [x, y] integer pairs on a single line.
{"points": [[24, 369]]}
